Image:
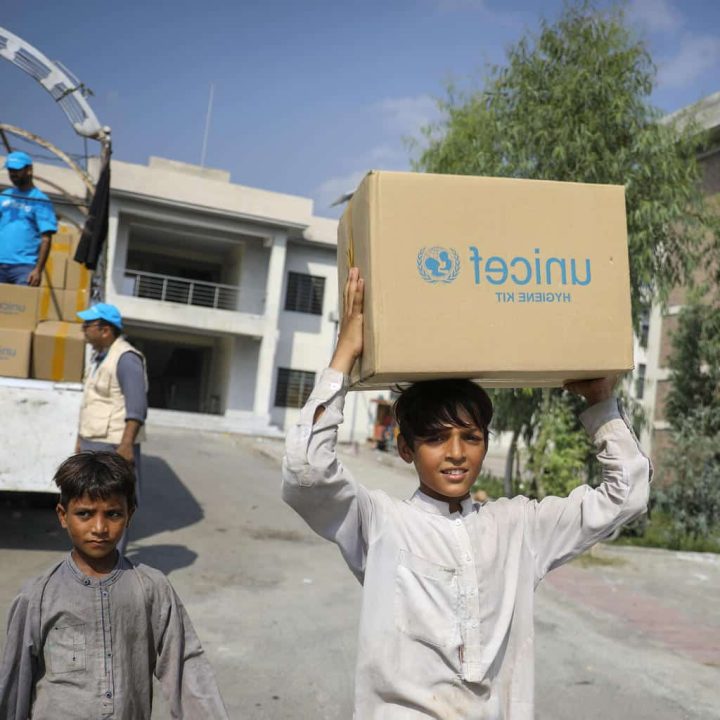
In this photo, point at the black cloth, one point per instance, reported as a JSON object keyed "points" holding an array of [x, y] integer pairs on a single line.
{"points": [[96, 226]]}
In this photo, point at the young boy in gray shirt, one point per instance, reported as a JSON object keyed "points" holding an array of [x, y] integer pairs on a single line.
{"points": [[85, 639], [446, 625]]}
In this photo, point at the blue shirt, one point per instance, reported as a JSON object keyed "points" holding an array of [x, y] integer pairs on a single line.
{"points": [[25, 215]]}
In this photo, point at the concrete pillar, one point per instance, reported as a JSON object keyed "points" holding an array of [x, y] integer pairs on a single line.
{"points": [[111, 283], [268, 343]]}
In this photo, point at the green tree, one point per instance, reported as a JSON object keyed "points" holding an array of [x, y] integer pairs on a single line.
{"points": [[557, 457], [691, 467], [691, 495], [572, 103], [695, 369], [514, 412]]}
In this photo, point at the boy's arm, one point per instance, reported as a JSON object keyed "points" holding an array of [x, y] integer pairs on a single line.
{"points": [[19, 663], [187, 680], [315, 484], [559, 529]]}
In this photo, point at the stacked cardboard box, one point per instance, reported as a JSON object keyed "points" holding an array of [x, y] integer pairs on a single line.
{"points": [[58, 351], [18, 309], [45, 318]]}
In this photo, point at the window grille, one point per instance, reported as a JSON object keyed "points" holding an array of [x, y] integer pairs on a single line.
{"points": [[305, 293], [293, 387]]}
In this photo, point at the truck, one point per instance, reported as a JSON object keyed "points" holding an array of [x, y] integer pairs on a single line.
{"points": [[39, 431], [40, 417]]}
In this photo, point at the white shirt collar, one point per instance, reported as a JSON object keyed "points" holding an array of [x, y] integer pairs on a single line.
{"points": [[439, 507]]}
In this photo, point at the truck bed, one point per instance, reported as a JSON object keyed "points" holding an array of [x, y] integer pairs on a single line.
{"points": [[38, 430]]}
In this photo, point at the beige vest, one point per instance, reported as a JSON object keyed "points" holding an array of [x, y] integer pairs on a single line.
{"points": [[102, 416]]}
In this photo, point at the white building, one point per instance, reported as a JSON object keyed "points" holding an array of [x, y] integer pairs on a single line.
{"points": [[230, 291]]}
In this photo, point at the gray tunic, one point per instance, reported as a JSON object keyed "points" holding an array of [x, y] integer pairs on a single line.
{"points": [[81, 647]]}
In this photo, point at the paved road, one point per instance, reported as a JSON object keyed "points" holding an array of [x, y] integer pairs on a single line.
{"points": [[630, 634]]}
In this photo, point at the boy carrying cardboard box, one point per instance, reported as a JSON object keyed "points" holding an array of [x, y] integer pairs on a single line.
{"points": [[446, 626]]}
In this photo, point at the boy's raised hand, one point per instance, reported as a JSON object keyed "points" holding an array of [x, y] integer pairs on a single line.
{"points": [[350, 339], [594, 391]]}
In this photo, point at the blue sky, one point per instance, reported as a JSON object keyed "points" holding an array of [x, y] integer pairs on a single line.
{"points": [[309, 94]]}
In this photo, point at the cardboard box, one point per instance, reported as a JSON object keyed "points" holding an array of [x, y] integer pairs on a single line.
{"points": [[58, 352], [77, 276], [73, 301], [54, 273], [50, 304], [18, 306], [510, 282], [65, 240], [15, 353]]}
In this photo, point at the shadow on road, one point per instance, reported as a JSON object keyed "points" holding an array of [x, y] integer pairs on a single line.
{"points": [[163, 557], [165, 503], [28, 520]]}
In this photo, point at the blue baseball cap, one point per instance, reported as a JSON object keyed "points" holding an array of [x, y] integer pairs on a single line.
{"points": [[103, 311], [17, 160]]}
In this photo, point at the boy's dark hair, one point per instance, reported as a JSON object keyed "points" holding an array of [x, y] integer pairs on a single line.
{"points": [[96, 474], [425, 407]]}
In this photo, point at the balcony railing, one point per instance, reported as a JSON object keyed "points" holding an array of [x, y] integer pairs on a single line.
{"points": [[168, 288]]}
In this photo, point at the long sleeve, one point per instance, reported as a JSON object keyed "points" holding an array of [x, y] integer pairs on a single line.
{"points": [[559, 529], [185, 675], [19, 662], [131, 376], [315, 483]]}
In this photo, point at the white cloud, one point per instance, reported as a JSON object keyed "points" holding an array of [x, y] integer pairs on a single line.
{"points": [[655, 15], [407, 115], [697, 54], [460, 4], [397, 119], [385, 155]]}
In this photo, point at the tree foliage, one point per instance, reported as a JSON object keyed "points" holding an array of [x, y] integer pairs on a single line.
{"points": [[557, 457], [691, 469], [514, 412], [692, 496], [695, 369]]}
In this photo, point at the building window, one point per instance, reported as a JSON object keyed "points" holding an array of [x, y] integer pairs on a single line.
{"points": [[644, 329], [293, 387], [640, 382], [305, 293]]}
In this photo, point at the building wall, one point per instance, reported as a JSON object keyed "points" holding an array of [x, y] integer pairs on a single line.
{"points": [[305, 341], [242, 371]]}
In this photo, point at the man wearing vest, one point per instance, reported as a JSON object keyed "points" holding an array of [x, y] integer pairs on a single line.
{"points": [[114, 405]]}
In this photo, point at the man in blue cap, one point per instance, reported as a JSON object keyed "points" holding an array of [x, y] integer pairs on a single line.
{"points": [[114, 405], [27, 224]]}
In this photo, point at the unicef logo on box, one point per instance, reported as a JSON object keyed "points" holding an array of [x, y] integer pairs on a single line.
{"points": [[438, 264]]}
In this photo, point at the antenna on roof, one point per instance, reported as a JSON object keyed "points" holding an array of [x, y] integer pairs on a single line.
{"points": [[207, 125], [345, 197]]}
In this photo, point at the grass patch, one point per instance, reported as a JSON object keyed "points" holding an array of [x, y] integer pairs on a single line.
{"points": [[659, 532], [590, 559]]}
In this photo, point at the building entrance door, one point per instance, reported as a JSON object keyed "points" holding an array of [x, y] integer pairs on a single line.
{"points": [[176, 374]]}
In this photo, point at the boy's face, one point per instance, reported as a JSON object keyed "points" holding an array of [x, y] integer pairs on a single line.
{"points": [[449, 462], [95, 528]]}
